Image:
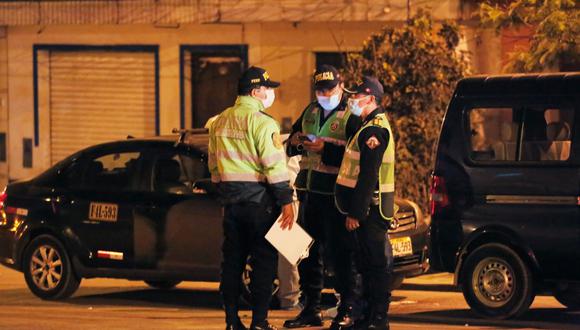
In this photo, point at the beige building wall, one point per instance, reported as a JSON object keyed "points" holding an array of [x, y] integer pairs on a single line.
{"points": [[4, 102], [285, 49]]}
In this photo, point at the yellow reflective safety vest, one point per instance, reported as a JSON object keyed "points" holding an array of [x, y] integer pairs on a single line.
{"points": [[245, 145], [314, 175], [350, 171]]}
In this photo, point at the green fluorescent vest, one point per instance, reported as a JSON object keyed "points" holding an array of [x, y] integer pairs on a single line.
{"points": [[350, 168], [314, 175], [245, 145]]}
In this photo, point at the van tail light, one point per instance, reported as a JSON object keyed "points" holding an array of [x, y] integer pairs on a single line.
{"points": [[439, 197], [3, 197]]}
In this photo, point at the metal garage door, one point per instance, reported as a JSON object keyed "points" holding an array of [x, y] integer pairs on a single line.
{"points": [[99, 96]]}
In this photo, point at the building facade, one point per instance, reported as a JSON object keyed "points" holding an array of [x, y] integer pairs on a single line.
{"points": [[76, 73]]}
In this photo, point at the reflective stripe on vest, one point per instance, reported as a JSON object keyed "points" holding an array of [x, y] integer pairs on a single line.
{"points": [[332, 131], [350, 168], [244, 145]]}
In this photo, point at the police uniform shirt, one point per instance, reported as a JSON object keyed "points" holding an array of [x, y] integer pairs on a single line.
{"points": [[372, 142], [331, 153]]}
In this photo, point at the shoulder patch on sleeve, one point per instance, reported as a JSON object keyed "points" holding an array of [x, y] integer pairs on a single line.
{"points": [[373, 142], [277, 140]]}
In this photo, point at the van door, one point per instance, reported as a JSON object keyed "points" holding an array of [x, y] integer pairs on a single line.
{"points": [[525, 179]]}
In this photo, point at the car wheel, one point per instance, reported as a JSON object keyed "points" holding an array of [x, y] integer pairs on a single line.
{"points": [[496, 282], [247, 293], [47, 269], [396, 281], [163, 285], [569, 298]]}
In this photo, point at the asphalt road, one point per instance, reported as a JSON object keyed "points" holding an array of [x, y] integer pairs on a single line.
{"points": [[422, 303]]}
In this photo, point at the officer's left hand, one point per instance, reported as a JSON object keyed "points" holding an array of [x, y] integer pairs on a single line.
{"points": [[352, 223], [315, 146]]}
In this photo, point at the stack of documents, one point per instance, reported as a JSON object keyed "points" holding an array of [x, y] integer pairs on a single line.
{"points": [[292, 244]]}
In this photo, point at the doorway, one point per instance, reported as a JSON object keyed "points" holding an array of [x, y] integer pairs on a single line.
{"points": [[210, 77]]}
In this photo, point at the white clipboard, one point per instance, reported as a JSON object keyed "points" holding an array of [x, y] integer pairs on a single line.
{"points": [[292, 244]]}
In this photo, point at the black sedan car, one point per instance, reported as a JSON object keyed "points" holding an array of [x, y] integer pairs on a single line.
{"points": [[139, 209]]}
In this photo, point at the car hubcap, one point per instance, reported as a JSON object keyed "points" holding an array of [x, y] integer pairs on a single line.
{"points": [[493, 282], [46, 267]]}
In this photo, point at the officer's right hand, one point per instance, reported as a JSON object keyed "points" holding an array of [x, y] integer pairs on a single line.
{"points": [[287, 218], [295, 139]]}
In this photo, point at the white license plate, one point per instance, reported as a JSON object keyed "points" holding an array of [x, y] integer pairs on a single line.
{"points": [[402, 246], [103, 212]]}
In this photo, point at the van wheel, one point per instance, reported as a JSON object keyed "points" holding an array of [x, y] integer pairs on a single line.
{"points": [[569, 298], [496, 282], [47, 269], [163, 285], [247, 293]]}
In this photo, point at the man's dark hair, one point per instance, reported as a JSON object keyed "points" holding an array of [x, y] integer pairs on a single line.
{"points": [[246, 90]]}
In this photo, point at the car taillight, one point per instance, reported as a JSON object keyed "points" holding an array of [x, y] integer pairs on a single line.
{"points": [[439, 197]]}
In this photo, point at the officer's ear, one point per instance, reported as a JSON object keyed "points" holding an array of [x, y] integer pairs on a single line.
{"points": [[258, 92]]}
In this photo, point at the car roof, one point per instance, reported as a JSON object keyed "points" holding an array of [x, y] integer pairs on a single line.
{"points": [[520, 84], [197, 141]]}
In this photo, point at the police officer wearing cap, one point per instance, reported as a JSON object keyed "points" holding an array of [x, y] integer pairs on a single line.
{"points": [[247, 162], [365, 193], [320, 136]]}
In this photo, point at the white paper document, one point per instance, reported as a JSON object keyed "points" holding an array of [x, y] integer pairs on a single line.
{"points": [[292, 244]]}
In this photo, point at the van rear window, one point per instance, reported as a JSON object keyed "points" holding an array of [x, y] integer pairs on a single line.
{"points": [[520, 134]]}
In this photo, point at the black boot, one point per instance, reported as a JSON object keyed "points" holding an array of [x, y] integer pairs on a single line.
{"points": [[237, 325], [262, 326], [306, 318], [379, 321], [343, 320]]}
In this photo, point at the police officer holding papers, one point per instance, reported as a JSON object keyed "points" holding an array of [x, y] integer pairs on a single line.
{"points": [[247, 162]]}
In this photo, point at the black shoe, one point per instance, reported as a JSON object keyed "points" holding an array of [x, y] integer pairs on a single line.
{"points": [[305, 319], [342, 321], [379, 322], [263, 326], [238, 325]]}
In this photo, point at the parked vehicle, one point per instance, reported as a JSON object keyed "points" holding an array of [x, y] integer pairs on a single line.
{"points": [[506, 191], [140, 209]]}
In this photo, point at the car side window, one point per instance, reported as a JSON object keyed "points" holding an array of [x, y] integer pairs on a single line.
{"points": [[177, 173], [114, 171], [545, 134], [493, 134]]}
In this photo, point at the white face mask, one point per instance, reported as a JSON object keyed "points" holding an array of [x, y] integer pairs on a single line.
{"points": [[354, 107], [269, 100], [328, 102]]}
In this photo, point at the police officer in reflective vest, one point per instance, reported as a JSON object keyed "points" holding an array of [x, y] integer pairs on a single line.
{"points": [[247, 161], [320, 135], [365, 193]]}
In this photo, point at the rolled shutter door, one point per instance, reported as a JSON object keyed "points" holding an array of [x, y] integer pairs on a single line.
{"points": [[99, 96]]}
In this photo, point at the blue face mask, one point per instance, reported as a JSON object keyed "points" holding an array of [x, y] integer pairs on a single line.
{"points": [[353, 106], [329, 102]]}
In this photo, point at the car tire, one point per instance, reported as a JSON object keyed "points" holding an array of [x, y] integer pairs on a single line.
{"points": [[396, 281], [247, 293], [496, 282], [163, 285], [47, 269], [569, 297]]}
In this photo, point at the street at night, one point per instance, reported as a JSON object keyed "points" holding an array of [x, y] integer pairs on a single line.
{"points": [[423, 303]]}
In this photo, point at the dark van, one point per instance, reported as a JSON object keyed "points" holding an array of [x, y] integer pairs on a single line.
{"points": [[506, 191]]}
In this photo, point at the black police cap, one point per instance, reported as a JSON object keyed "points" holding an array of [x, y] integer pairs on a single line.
{"points": [[255, 77], [326, 77], [368, 85]]}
